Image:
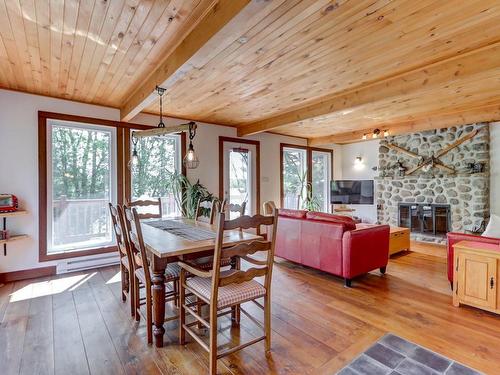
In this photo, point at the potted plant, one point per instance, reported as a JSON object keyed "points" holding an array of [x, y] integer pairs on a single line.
{"points": [[188, 194]]}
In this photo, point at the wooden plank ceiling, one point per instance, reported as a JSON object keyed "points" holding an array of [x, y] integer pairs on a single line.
{"points": [[93, 51], [325, 70]]}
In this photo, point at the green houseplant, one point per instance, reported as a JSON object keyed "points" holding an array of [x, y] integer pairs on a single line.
{"points": [[311, 203], [187, 194]]}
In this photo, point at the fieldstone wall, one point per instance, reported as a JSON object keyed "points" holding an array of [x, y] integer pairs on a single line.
{"points": [[467, 193]]}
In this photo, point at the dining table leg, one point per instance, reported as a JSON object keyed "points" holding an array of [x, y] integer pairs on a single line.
{"points": [[158, 280], [235, 310]]}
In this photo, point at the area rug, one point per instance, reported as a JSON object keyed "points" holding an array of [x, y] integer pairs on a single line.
{"points": [[392, 355]]}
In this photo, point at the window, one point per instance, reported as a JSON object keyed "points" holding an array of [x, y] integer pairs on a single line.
{"points": [[239, 172], [159, 159], [81, 170], [82, 167], [294, 177], [321, 176], [305, 177]]}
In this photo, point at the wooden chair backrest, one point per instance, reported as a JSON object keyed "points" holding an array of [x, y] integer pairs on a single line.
{"points": [[134, 231], [244, 251], [148, 203], [120, 232], [268, 207], [201, 210], [227, 208]]}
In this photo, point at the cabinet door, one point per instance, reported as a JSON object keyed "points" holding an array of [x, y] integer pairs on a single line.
{"points": [[477, 282]]}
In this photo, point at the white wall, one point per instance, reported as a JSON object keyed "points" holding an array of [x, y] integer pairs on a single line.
{"points": [[495, 168], [19, 165], [368, 151], [19, 162]]}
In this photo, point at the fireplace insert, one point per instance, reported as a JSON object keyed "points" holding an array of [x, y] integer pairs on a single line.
{"points": [[432, 219]]}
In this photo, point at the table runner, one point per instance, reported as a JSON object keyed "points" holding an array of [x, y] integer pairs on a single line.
{"points": [[185, 231]]}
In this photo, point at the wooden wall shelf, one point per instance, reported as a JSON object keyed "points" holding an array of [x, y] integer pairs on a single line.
{"points": [[15, 237], [4, 216], [12, 214]]}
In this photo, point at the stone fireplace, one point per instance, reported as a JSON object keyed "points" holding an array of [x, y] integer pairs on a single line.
{"points": [[463, 196]]}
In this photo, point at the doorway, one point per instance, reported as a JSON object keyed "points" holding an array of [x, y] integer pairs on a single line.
{"points": [[239, 173]]}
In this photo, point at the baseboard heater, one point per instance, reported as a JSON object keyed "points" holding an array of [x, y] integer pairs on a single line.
{"points": [[74, 265]]}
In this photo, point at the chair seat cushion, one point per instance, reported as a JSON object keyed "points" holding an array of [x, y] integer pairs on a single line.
{"points": [[207, 263], [229, 295], [171, 273]]}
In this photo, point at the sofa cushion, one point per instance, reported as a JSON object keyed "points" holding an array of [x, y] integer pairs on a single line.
{"points": [[348, 223], [297, 214]]}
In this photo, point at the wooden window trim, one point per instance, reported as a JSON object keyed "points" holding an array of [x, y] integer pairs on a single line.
{"points": [[257, 162], [309, 150], [122, 175]]}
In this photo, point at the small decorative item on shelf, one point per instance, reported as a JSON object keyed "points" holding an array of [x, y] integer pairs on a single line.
{"points": [[476, 167], [8, 203]]}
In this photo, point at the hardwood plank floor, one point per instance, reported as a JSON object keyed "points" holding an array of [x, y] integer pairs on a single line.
{"points": [[77, 324]]}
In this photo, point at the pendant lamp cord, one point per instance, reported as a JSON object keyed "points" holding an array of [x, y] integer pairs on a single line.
{"points": [[161, 91]]}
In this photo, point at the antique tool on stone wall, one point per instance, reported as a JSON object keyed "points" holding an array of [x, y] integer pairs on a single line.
{"points": [[422, 161], [433, 161]]}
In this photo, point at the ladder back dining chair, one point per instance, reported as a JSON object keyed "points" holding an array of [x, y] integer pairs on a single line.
{"points": [[142, 273], [148, 203], [228, 208], [126, 261], [206, 210], [222, 290]]}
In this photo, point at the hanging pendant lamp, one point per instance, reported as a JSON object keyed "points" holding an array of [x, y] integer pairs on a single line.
{"points": [[191, 160]]}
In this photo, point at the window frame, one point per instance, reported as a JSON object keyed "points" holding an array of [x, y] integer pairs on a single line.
{"points": [[113, 182], [222, 140], [309, 150], [122, 175], [127, 152], [181, 142]]}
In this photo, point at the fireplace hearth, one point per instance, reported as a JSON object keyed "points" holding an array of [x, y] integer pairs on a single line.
{"points": [[431, 219]]}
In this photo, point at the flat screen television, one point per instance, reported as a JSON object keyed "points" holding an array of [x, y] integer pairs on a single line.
{"points": [[352, 192]]}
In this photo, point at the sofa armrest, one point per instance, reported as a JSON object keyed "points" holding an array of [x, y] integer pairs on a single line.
{"points": [[454, 237], [364, 250]]}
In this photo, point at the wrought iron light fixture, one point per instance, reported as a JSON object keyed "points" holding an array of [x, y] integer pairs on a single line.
{"points": [[134, 160], [376, 133], [191, 160], [161, 91]]}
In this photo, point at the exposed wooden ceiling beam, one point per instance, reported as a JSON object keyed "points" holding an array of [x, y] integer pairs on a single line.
{"points": [[196, 45], [479, 114], [438, 73]]}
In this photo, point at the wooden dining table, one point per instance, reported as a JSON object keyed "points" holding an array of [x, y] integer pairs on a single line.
{"points": [[164, 247]]}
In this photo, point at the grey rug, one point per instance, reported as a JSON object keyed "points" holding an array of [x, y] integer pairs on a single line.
{"points": [[392, 355]]}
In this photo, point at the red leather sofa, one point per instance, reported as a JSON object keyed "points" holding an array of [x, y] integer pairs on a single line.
{"points": [[331, 243], [454, 237]]}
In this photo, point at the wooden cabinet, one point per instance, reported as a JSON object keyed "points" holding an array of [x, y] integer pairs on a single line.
{"points": [[399, 240], [476, 268]]}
